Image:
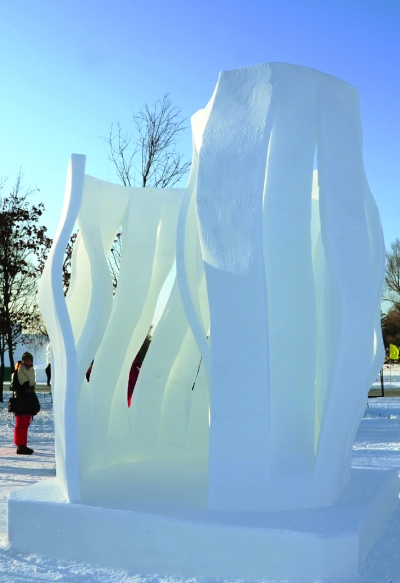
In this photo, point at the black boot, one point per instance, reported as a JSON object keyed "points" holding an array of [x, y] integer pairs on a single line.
{"points": [[24, 450]]}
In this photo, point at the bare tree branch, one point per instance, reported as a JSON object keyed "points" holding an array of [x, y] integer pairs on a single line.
{"points": [[147, 157], [391, 289], [67, 262], [114, 259]]}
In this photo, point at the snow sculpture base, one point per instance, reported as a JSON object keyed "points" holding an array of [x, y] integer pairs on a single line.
{"points": [[146, 538]]}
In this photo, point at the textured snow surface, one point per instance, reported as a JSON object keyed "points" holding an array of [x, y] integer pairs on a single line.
{"points": [[377, 445]]}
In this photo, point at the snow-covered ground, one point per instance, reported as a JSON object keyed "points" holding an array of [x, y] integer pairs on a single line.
{"points": [[377, 446]]}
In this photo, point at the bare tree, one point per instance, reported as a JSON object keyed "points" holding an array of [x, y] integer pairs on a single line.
{"points": [[391, 290], [23, 251], [148, 157]]}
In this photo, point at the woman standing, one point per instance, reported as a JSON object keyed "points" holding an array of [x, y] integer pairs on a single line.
{"points": [[23, 385]]}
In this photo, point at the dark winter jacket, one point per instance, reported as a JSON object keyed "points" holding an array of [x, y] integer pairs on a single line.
{"points": [[28, 401]]}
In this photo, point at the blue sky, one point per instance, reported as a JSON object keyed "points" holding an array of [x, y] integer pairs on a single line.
{"points": [[69, 69]]}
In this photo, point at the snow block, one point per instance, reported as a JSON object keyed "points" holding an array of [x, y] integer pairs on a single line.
{"points": [[296, 545]]}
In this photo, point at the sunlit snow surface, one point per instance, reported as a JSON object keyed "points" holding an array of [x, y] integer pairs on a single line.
{"points": [[377, 446]]}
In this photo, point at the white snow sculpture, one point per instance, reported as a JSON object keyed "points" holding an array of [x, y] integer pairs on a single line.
{"points": [[275, 293], [275, 262], [290, 275]]}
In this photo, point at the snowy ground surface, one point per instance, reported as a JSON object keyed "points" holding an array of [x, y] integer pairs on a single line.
{"points": [[377, 446]]}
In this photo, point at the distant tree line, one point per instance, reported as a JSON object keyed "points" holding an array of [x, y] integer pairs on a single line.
{"points": [[391, 293], [24, 247]]}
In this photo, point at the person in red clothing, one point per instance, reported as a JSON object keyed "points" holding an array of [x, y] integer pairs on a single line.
{"points": [[133, 377], [136, 366], [23, 383], [89, 371]]}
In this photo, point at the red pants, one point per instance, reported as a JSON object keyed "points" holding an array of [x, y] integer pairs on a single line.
{"points": [[22, 423]]}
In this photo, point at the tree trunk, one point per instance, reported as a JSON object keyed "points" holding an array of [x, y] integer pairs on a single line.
{"points": [[9, 338], [8, 323], [2, 371], [11, 356]]}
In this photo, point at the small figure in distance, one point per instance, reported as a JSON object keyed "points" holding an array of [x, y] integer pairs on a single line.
{"points": [[23, 384]]}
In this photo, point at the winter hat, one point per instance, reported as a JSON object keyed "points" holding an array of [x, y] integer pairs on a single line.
{"points": [[27, 355]]}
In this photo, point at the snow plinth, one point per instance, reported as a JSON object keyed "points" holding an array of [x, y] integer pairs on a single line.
{"points": [[296, 545]]}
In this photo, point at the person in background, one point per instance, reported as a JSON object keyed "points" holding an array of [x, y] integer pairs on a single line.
{"points": [[48, 363], [23, 383], [133, 377], [136, 366], [89, 371]]}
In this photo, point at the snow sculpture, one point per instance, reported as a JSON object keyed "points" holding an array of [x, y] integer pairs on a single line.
{"points": [[277, 290], [275, 261]]}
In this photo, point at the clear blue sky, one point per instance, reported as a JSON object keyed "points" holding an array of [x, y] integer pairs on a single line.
{"points": [[70, 68]]}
